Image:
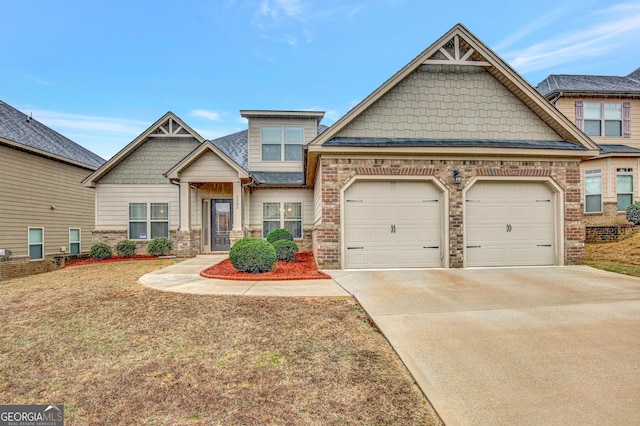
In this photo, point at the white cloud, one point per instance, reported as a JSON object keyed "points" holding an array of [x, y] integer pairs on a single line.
{"points": [[206, 114], [616, 26], [62, 122]]}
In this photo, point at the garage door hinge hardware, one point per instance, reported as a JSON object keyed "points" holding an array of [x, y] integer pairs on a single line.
{"points": [[429, 201], [431, 247], [473, 201], [354, 201], [355, 248], [543, 201], [474, 246], [544, 245]]}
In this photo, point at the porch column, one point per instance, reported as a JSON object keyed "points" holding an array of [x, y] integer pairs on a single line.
{"points": [[237, 206], [185, 203]]}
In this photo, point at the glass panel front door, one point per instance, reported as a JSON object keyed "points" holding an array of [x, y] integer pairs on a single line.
{"points": [[221, 224]]}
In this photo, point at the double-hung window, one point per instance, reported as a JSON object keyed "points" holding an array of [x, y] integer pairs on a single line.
{"points": [[593, 191], [603, 119], [624, 188], [148, 220], [74, 240], [285, 215], [282, 143], [36, 243]]}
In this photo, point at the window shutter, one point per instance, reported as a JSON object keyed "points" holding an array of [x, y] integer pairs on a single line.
{"points": [[626, 119], [579, 115]]}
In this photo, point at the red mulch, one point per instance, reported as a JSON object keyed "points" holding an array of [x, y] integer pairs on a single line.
{"points": [[92, 261], [303, 268]]}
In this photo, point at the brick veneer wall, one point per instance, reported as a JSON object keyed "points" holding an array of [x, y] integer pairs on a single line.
{"points": [[304, 244], [184, 244], [22, 267], [608, 217], [336, 172], [609, 233]]}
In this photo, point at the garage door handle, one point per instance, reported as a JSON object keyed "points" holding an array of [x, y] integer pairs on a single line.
{"points": [[509, 228], [393, 229]]}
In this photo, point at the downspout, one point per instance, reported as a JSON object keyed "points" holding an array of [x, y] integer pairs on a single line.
{"points": [[555, 99]]}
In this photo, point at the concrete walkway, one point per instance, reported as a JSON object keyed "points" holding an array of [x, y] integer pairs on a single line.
{"points": [[513, 346], [184, 277]]}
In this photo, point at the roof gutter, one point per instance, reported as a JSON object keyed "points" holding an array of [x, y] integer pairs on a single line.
{"points": [[555, 99]]}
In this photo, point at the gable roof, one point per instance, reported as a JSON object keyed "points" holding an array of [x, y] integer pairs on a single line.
{"points": [[461, 48], [167, 125], [236, 147], [21, 131], [590, 84], [205, 147]]}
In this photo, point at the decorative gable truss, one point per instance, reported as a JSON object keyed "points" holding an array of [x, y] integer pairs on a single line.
{"points": [[457, 52], [171, 128]]}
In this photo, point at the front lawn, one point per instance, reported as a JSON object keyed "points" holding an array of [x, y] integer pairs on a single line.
{"points": [[622, 257], [114, 352]]}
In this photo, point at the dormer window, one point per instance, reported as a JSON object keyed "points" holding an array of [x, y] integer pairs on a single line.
{"points": [[282, 143]]}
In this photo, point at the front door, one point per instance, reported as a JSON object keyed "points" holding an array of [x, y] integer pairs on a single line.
{"points": [[221, 224]]}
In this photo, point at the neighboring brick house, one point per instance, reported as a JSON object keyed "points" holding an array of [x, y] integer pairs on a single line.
{"points": [[46, 214], [606, 108], [454, 161]]}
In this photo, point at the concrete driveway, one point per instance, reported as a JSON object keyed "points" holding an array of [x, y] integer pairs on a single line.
{"points": [[505, 346]]}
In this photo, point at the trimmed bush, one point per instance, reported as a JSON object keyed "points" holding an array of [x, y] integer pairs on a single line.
{"points": [[100, 251], [252, 255], [160, 246], [126, 248], [633, 213], [279, 234], [285, 250]]}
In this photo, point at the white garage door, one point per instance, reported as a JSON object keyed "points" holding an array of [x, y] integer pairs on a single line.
{"points": [[393, 225], [510, 224]]}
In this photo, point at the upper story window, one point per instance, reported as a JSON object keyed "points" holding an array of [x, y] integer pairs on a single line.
{"points": [[593, 191], [624, 187], [282, 143], [603, 119]]}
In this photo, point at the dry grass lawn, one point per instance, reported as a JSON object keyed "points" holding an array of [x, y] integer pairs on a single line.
{"points": [[625, 252], [114, 352]]}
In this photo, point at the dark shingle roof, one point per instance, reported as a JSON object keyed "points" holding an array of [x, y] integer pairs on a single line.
{"points": [[590, 84], [409, 142], [236, 146], [19, 128], [606, 148], [279, 178]]}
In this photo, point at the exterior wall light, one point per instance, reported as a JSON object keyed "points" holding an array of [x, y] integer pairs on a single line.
{"points": [[457, 177]]}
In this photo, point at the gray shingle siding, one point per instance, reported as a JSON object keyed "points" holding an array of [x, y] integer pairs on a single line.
{"points": [[148, 163], [19, 128]]}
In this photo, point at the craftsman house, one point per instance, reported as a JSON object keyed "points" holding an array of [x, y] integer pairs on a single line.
{"points": [[454, 161], [606, 108], [46, 214]]}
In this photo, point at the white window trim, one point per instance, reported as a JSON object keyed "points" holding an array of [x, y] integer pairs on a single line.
{"points": [[603, 120], [282, 219], [148, 219], [282, 143], [627, 171], [79, 242], [592, 173], [29, 244]]}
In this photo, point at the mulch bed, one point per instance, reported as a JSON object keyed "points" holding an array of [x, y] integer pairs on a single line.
{"points": [[92, 261], [303, 268]]}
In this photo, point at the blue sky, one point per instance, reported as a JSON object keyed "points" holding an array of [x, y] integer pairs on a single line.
{"points": [[100, 72]]}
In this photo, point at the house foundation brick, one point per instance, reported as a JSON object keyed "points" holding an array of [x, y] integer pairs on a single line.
{"points": [[337, 172]]}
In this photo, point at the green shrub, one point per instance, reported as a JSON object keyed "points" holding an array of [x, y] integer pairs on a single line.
{"points": [[160, 246], [285, 250], [633, 213], [252, 255], [279, 234], [126, 248], [101, 251]]}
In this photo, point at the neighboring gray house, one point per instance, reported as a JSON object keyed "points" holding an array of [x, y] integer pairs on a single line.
{"points": [[45, 212], [454, 161]]}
